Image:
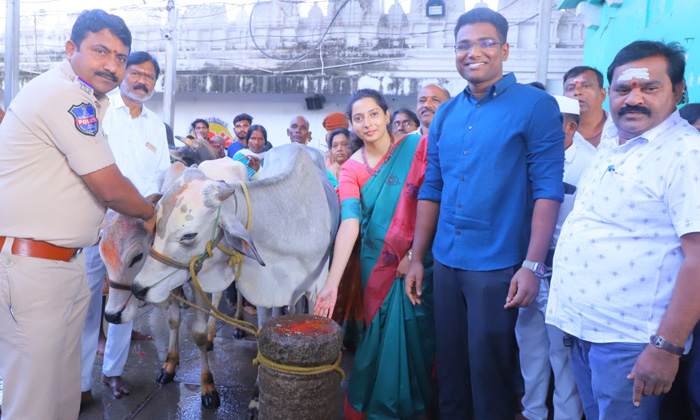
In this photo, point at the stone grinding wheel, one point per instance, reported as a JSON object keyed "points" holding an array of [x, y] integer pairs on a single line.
{"points": [[305, 341]]}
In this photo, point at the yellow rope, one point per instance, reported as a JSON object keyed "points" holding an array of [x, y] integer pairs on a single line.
{"points": [[237, 259], [299, 370], [240, 324], [244, 325]]}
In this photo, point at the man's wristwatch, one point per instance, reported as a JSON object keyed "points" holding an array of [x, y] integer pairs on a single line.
{"points": [[539, 269], [663, 344]]}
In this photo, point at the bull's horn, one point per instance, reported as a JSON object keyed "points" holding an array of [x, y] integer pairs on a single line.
{"points": [[225, 190], [187, 140]]}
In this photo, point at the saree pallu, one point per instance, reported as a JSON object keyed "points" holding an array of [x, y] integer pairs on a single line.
{"points": [[393, 363]]}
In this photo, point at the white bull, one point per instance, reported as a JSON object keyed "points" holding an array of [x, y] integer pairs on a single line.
{"points": [[124, 246], [294, 216]]}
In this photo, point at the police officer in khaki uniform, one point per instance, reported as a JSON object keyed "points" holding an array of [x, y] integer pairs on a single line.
{"points": [[57, 174]]}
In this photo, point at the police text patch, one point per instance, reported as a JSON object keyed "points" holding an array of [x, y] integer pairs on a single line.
{"points": [[85, 118]]}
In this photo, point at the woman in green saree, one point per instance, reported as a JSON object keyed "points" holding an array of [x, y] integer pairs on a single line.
{"points": [[378, 192]]}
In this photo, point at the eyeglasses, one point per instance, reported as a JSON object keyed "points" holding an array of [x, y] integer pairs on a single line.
{"points": [[405, 124], [484, 45]]}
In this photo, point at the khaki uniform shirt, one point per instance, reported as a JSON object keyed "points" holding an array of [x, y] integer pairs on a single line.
{"points": [[51, 135]]}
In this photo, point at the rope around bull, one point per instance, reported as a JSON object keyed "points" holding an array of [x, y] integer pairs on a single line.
{"points": [[237, 259]]}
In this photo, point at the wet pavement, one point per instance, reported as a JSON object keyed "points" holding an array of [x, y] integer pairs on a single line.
{"points": [[230, 363]]}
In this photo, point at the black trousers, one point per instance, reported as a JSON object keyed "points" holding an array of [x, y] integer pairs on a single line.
{"points": [[475, 344]]}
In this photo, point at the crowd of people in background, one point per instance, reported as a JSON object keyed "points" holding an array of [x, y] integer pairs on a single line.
{"points": [[488, 241]]}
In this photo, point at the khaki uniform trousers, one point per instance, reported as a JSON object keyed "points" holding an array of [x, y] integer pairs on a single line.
{"points": [[40, 345]]}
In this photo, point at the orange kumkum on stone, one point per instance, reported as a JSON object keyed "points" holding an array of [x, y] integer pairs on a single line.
{"points": [[307, 327]]}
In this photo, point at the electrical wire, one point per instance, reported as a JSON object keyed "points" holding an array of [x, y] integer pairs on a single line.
{"points": [[302, 55], [507, 6], [525, 20], [299, 57]]}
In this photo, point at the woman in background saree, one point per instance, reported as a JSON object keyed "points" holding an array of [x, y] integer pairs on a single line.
{"points": [[378, 191]]}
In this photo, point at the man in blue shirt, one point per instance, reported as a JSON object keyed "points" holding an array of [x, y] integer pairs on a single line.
{"points": [[241, 125], [490, 200]]}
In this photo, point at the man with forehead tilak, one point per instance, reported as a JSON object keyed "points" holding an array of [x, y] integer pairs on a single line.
{"points": [[57, 175], [241, 125], [626, 277], [585, 84]]}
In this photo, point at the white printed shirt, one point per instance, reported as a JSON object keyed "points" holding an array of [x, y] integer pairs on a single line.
{"points": [[619, 252], [139, 145], [576, 159]]}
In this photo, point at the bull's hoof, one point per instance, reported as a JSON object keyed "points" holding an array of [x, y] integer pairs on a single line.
{"points": [[252, 414], [210, 345], [211, 399], [164, 377], [238, 333], [253, 410]]}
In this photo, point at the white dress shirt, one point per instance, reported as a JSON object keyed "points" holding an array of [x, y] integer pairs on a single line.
{"points": [[576, 159], [139, 145], [619, 252]]}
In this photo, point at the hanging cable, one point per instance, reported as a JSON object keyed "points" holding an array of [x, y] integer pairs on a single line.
{"points": [[302, 55], [507, 6]]}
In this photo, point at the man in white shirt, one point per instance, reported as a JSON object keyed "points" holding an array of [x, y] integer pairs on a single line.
{"points": [[691, 113], [585, 84], [137, 139], [627, 265], [542, 349]]}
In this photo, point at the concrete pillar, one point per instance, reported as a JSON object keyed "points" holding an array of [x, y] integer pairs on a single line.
{"points": [[299, 341]]}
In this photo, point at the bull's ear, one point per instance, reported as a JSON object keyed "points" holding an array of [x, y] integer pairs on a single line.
{"points": [[239, 239], [155, 197]]}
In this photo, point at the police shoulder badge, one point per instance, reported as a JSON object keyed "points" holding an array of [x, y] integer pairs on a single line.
{"points": [[85, 118]]}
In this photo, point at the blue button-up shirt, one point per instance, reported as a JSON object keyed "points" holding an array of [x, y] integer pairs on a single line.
{"points": [[488, 161]]}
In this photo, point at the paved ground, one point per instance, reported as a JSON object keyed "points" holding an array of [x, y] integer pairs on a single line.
{"points": [[233, 373], [230, 362]]}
